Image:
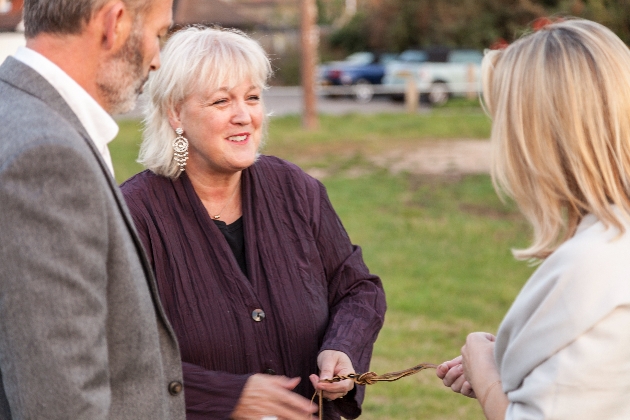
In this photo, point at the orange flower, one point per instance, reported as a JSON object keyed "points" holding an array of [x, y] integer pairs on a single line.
{"points": [[499, 44], [541, 22]]}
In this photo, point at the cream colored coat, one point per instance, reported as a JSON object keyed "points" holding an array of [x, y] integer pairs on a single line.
{"points": [[563, 349]]}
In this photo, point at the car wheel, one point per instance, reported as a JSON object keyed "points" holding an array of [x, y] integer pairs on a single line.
{"points": [[438, 94], [363, 91]]}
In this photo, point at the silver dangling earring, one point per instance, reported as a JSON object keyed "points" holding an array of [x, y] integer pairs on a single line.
{"points": [[180, 147]]}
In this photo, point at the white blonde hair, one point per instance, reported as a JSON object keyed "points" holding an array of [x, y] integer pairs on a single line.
{"points": [[559, 99], [195, 58]]}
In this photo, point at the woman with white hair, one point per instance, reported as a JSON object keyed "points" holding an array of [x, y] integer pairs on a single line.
{"points": [[560, 103], [254, 269]]}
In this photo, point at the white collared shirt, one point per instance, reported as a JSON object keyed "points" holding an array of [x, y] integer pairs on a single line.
{"points": [[99, 125]]}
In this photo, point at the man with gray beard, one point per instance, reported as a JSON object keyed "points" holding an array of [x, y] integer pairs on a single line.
{"points": [[82, 331]]}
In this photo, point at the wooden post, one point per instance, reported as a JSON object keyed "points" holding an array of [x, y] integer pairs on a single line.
{"points": [[309, 42], [471, 86], [351, 7], [411, 95]]}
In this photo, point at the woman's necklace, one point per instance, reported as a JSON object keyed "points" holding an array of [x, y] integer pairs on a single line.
{"points": [[218, 215]]}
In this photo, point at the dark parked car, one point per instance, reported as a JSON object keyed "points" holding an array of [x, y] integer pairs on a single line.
{"points": [[360, 71]]}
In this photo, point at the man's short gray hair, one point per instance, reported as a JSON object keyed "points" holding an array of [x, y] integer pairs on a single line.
{"points": [[193, 59], [65, 16]]}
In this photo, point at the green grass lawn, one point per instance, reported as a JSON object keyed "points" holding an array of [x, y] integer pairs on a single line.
{"points": [[442, 250], [440, 245]]}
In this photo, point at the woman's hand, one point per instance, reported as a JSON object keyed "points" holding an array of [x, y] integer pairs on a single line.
{"points": [[331, 363], [478, 360], [452, 375], [271, 396], [481, 371]]}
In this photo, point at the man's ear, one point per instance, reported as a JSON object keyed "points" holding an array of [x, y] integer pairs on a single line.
{"points": [[116, 24]]}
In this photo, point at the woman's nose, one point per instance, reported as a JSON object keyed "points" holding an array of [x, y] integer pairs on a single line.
{"points": [[241, 114]]}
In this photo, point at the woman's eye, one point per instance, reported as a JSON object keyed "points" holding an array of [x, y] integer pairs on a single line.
{"points": [[253, 98], [219, 102]]}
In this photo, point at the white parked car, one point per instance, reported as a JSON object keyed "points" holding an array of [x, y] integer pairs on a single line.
{"points": [[444, 74]]}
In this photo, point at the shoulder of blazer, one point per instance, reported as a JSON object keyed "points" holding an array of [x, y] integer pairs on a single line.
{"points": [[24, 78]]}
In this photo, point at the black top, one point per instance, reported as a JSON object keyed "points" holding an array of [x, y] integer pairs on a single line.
{"points": [[234, 236]]}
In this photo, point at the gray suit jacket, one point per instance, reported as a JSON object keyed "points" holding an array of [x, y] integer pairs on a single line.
{"points": [[82, 331]]}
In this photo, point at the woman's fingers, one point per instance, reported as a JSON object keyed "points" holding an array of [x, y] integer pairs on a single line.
{"points": [[453, 375], [457, 384], [265, 395], [442, 370], [454, 362], [334, 390], [293, 407], [331, 363], [467, 390]]}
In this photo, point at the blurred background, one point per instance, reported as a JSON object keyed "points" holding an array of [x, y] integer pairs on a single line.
{"points": [[401, 144]]}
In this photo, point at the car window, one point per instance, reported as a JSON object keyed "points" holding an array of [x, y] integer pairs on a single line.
{"points": [[387, 58], [360, 58], [413, 56], [465, 56]]}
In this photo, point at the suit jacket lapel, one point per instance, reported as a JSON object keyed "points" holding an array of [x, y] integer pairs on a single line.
{"points": [[23, 77]]}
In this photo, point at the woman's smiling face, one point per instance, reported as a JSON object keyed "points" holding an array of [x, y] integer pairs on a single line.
{"points": [[223, 127]]}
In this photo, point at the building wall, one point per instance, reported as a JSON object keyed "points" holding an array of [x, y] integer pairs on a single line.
{"points": [[10, 14], [9, 43]]}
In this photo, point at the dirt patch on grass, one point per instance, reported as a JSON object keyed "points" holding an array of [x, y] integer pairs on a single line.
{"points": [[439, 158]]}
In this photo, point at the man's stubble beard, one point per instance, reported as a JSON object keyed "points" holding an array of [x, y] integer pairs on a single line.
{"points": [[120, 80]]}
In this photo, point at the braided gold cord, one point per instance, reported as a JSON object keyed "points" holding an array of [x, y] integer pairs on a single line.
{"points": [[370, 378]]}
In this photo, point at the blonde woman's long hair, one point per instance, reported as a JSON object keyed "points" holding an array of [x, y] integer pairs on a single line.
{"points": [[559, 99]]}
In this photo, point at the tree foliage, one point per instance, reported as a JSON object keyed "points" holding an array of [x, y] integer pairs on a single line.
{"points": [[396, 25], [351, 36]]}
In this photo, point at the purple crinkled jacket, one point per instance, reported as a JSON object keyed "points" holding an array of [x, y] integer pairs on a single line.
{"points": [[304, 274]]}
